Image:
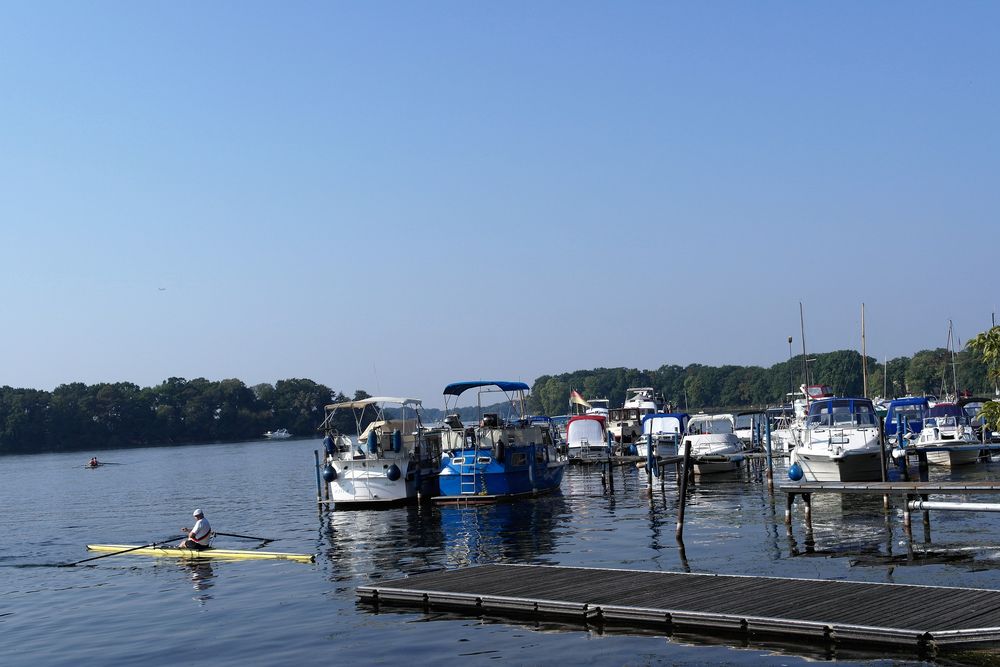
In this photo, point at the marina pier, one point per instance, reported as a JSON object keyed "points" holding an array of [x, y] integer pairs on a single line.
{"points": [[922, 619]]}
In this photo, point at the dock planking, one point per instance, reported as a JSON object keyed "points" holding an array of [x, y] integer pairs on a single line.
{"points": [[922, 618]]}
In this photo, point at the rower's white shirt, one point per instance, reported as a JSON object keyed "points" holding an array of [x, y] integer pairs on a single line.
{"points": [[200, 529]]}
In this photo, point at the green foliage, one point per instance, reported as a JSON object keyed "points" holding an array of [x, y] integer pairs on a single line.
{"points": [[986, 346], [991, 415], [699, 387], [77, 416]]}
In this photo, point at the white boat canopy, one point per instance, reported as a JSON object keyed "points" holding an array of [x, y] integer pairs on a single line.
{"points": [[372, 400]]}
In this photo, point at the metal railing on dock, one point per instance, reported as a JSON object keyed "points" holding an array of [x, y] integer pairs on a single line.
{"points": [[913, 495]]}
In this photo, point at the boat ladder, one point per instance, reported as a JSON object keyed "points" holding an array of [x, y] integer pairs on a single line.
{"points": [[467, 475]]}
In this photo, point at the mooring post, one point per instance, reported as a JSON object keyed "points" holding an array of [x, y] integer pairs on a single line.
{"points": [[902, 447], [650, 459], [319, 484], [927, 514], [683, 493], [770, 461], [789, 501], [906, 515], [807, 501], [611, 476]]}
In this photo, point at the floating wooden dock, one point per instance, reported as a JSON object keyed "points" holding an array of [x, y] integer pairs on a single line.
{"points": [[919, 618]]}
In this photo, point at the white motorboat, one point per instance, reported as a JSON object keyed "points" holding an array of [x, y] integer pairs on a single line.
{"points": [[599, 406], [948, 436], [279, 434], [625, 423], [749, 427], [782, 423], [390, 461], [712, 437], [665, 429], [841, 443], [586, 438]]}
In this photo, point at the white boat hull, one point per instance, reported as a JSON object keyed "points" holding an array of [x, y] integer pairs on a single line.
{"points": [[851, 466], [364, 482], [953, 458], [716, 468], [716, 444], [663, 447]]}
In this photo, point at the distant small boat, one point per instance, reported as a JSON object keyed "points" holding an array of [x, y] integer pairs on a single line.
{"points": [[280, 434]]}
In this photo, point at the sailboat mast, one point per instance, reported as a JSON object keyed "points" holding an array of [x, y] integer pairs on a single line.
{"points": [[802, 327], [954, 373], [864, 354]]}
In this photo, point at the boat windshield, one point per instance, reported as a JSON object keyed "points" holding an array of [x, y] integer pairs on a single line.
{"points": [[941, 422], [712, 425], [842, 412], [747, 421], [913, 414]]}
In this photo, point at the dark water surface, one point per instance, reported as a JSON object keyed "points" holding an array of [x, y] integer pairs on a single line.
{"points": [[128, 610]]}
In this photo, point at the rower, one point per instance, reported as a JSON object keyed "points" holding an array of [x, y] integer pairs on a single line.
{"points": [[200, 534], [93, 462]]}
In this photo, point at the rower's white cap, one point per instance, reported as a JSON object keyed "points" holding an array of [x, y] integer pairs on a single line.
{"points": [[197, 513]]}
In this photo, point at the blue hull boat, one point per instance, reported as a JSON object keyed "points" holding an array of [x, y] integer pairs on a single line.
{"points": [[524, 470], [498, 458]]}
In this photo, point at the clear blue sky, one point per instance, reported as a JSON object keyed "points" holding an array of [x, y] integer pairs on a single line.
{"points": [[394, 196]]}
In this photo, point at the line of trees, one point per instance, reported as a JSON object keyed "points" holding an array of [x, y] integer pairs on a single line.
{"points": [[697, 387], [78, 416]]}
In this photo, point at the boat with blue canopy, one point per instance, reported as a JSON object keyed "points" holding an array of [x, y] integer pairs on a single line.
{"points": [[910, 410], [503, 456], [665, 429], [841, 443]]}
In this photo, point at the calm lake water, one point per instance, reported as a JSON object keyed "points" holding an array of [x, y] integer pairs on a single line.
{"points": [[128, 610]]}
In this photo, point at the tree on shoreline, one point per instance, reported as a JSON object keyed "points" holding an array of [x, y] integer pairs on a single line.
{"points": [[987, 344]]}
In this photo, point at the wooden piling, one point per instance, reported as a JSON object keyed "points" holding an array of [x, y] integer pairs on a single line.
{"points": [[319, 483], [679, 533], [770, 460]]}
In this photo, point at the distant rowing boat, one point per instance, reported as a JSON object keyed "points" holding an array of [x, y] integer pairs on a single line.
{"points": [[229, 554]]}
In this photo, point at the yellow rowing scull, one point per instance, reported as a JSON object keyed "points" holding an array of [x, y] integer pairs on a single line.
{"points": [[174, 552]]}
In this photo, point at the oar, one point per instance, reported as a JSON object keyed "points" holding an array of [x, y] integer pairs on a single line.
{"points": [[245, 537], [124, 551]]}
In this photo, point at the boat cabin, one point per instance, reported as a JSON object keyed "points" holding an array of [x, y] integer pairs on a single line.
{"points": [[911, 410], [842, 412]]}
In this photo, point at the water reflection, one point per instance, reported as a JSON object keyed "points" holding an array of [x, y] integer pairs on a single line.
{"points": [[201, 578], [521, 532], [369, 542]]}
